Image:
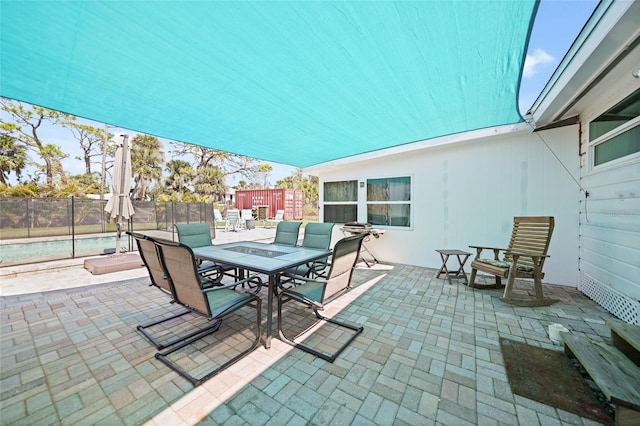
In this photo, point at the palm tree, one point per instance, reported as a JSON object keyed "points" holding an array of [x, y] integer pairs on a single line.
{"points": [[146, 162], [180, 176], [210, 181], [13, 157]]}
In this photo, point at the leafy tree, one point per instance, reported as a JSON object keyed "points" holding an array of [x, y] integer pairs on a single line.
{"points": [[210, 181], [83, 185], [308, 185], [90, 139], [24, 190], [146, 161], [53, 165], [263, 170], [13, 157], [180, 177], [27, 123], [225, 163]]}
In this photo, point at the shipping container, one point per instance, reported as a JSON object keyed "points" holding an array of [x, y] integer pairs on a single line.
{"points": [[289, 200]]}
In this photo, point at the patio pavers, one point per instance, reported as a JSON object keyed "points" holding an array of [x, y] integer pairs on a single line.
{"points": [[429, 354]]}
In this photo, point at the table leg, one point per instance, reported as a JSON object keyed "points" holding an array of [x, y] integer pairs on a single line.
{"points": [[461, 262], [443, 268], [272, 286]]}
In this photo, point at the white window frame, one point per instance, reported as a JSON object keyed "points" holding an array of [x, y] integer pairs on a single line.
{"points": [[366, 202], [341, 203], [606, 137]]}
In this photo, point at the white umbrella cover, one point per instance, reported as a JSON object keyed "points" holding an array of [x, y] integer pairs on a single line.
{"points": [[119, 206]]}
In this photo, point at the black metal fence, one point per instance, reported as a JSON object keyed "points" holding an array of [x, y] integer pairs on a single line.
{"points": [[77, 226]]}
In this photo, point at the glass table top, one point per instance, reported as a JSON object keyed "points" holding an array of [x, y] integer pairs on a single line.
{"points": [[256, 251]]}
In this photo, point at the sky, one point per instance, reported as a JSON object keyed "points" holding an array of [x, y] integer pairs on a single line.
{"points": [[557, 24]]}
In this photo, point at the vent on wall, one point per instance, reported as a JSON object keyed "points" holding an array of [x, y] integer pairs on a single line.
{"points": [[618, 304]]}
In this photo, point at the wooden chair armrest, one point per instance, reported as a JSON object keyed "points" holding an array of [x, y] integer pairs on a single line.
{"points": [[525, 253], [496, 251], [488, 248]]}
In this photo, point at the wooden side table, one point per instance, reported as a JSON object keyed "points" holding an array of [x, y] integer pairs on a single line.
{"points": [[462, 259]]}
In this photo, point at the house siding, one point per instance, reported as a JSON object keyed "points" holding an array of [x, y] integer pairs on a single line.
{"points": [[468, 193], [610, 228]]}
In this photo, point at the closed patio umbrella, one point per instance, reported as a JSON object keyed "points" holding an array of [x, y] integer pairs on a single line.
{"points": [[119, 206]]}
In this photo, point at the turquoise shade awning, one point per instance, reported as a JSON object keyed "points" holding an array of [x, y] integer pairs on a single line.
{"points": [[298, 83]]}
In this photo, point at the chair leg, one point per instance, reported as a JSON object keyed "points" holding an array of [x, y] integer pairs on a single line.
{"points": [[509, 288], [142, 328], [472, 279], [309, 349], [196, 381], [539, 299]]}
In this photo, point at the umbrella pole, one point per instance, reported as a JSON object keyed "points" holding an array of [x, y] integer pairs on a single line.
{"points": [[125, 149]]}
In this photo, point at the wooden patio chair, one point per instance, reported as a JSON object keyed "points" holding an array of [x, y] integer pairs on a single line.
{"points": [[523, 258]]}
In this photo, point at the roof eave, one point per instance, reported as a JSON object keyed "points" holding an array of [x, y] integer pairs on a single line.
{"points": [[463, 137], [609, 35]]}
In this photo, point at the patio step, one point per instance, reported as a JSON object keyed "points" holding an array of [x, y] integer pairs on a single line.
{"points": [[617, 375], [626, 337]]}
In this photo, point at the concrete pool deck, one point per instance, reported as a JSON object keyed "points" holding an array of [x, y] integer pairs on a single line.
{"points": [[70, 273]]}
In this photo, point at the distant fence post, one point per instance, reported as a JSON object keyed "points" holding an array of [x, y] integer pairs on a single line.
{"points": [[29, 220], [73, 227]]}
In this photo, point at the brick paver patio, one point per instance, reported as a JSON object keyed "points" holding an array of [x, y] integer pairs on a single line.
{"points": [[429, 354]]}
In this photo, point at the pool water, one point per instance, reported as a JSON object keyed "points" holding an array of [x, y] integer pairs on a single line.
{"points": [[32, 249]]}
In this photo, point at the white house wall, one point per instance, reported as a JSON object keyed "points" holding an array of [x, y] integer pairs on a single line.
{"points": [[610, 218], [468, 193]]}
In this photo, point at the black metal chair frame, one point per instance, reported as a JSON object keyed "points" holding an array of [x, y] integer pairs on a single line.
{"points": [[181, 276], [143, 328], [316, 235], [344, 259]]}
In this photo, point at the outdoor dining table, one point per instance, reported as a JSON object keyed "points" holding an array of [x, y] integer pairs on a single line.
{"points": [[264, 258]]}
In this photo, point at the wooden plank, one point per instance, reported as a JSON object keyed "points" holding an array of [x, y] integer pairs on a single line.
{"points": [[627, 417], [616, 375], [626, 337]]}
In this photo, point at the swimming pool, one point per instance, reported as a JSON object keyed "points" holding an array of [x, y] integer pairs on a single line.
{"points": [[59, 248]]}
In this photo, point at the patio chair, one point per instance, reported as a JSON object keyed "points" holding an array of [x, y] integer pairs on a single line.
{"points": [[523, 258], [213, 303], [197, 235], [316, 235], [287, 233], [233, 220], [245, 215], [279, 217], [217, 218], [316, 293], [149, 254]]}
